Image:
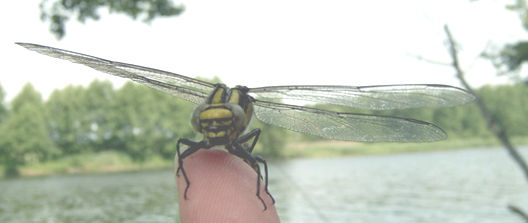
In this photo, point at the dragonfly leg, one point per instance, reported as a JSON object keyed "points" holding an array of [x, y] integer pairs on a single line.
{"points": [[256, 133], [252, 160], [193, 147], [263, 161], [253, 133], [243, 140], [249, 158]]}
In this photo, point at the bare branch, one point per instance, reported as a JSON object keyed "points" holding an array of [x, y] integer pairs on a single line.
{"points": [[422, 58], [518, 211], [492, 123]]}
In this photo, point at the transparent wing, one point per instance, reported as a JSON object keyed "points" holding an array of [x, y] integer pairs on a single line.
{"points": [[174, 84], [193, 96], [383, 97], [346, 126]]}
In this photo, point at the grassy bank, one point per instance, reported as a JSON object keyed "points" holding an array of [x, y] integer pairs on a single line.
{"points": [[108, 161], [111, 161], [340, 148]]}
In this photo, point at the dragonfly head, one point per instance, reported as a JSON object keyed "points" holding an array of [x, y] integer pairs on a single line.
{"points": [[220, 123]]}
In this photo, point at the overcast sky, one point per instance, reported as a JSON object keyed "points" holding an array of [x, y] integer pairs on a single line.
{"points": [[268, 42]]}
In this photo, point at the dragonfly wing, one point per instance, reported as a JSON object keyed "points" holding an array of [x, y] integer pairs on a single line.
{"points": [[346, 126], [153, 78], [193, 96], [383, 97]]}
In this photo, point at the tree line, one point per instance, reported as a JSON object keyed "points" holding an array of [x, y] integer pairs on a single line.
{"points": [[142, 122]]}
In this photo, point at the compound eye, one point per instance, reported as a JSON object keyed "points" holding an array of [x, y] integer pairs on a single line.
{"points": [[239, 116], [195, 117]]}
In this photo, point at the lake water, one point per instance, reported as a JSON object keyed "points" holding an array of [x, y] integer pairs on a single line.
{"points": [[472, 185]]}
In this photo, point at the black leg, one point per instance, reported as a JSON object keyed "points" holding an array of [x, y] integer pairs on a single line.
{"points": [[245, 154], [263, 161], [193, 147], [253, 133], [239, 151], [236, 149], [256, 132]]}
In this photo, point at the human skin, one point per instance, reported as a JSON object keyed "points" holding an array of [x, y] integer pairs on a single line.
{"points": [[223, 189]]}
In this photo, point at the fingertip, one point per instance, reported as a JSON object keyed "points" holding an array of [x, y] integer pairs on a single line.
{"points": [[223, 188]]}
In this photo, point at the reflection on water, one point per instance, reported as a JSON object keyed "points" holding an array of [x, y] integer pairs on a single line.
{"points": [[473, 185], [147, 196]]}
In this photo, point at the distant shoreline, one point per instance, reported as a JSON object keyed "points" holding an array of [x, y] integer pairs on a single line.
{"points": [[113, 161]]}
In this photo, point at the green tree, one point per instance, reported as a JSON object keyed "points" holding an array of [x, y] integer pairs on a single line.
{"points": [[171, 120], [130, 121], [509, 105], [272, 139], [515, 115], [148, 122], [3, 117], [58, 12], [471, 123], [3, 107], [508, 59], [67, 120], [25, 137], [97, 103]]}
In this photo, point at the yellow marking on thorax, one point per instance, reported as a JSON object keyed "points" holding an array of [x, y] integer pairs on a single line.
{"points": [[235, 97], [217, 97]]}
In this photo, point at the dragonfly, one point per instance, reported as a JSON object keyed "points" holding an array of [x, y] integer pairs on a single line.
{"points": [[223, 114]]}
